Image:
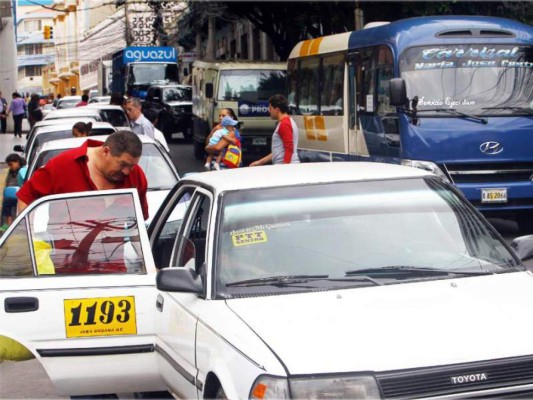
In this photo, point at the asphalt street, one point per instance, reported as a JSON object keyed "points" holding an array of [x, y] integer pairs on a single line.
{"points": [[28, 380]]}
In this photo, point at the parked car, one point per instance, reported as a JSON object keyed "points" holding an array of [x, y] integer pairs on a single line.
{"points": [[113, 114], [68, 102], [58, 131], [100, 99], [46, 108], [341, 280], [173, 106], [160, 172]]}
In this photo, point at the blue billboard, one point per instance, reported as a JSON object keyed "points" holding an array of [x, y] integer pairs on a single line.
{"points": [[150, 54]]}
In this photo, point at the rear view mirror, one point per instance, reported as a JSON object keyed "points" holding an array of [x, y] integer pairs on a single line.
{"points": [[209, 90], [523, 247], [398, 92], [183, 280], [18, 148]]}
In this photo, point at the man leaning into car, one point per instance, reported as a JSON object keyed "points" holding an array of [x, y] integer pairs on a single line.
{"points": [[95, 165]]}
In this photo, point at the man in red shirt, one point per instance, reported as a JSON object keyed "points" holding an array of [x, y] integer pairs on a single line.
{"points": [[84, 100], [285, 137], [92, 166]]}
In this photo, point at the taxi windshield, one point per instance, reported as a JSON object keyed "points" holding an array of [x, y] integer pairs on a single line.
{"points": [[478, 79], [332, 235]]}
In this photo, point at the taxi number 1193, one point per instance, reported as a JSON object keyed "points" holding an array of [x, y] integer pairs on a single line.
{"points": [[103, 316]]}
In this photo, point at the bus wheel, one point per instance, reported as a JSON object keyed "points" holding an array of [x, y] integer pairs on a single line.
{"points": [[525, 222]]}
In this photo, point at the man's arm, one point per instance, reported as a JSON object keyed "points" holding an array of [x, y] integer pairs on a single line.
{"points": [[286, 134], [265, 160], [21, 206]]}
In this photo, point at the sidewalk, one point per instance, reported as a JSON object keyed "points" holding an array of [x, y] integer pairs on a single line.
{"points": [[7, 141]]}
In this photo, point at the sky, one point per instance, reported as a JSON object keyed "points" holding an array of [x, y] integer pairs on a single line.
{"points": [[32, 2]]}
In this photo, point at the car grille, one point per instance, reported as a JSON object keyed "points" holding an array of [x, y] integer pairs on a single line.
{"points": [[437, 381], [490, 172]]}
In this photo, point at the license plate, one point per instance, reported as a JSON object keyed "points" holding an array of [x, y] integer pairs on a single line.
{"points": [[494, 195], [259, 141], [103, 316]]}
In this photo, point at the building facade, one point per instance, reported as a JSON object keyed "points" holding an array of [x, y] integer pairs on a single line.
{"points": [[34, 52]]}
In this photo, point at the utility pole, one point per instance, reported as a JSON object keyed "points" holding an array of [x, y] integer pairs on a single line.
{"points": [[359, 18], [128, 29]]}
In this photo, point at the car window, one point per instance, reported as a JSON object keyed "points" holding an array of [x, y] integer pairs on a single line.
{"points": [[83, 235], [166, 238], [114, 117], [192, 244], [15, 260], [335, 230], [156, 168]]}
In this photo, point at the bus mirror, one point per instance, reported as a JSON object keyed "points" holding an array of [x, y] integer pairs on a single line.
{"points": [[209, 90], [398, 92]]}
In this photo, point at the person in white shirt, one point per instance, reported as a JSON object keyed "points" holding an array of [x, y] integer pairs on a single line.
{"points": [[139, 123]]}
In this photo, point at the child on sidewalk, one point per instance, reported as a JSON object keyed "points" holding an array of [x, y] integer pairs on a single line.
{"points": [[228, 126]]}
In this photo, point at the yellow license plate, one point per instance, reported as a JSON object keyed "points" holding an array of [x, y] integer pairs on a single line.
{"points": [[494, 195], [103, 316]]}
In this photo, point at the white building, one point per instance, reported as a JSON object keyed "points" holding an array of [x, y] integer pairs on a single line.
{"points": [[33, 50]]}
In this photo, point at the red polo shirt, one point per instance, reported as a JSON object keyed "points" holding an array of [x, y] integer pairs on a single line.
{"points": [[68, 173]]}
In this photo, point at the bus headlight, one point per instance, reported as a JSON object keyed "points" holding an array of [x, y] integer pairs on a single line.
{"points": [[426, 166], [335, 387]]}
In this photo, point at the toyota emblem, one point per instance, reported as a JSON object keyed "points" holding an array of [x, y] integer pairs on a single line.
{"points": [[491, 148]]}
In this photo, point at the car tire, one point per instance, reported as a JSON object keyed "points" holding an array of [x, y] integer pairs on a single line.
{"points": [[199, 150], [525, 222]]}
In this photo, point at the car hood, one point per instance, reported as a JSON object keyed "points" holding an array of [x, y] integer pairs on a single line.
{"points": [[402, 326], [155, 198]]}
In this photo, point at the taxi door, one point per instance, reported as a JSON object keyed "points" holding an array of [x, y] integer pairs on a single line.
{"points": [[77, 289]]}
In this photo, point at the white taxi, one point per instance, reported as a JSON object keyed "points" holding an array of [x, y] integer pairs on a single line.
{"points": [[331, 280]]}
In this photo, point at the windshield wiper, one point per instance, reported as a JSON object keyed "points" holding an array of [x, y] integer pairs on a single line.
{"points": [[525, 109], [282, 280], [408, 270], [455, 112], [296, 279]]}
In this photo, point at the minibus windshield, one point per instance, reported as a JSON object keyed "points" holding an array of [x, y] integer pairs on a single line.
{"points": [[250, 84], [481, 79]]}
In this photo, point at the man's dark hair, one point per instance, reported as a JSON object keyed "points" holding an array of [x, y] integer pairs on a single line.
{"points": [[124, 141], [151, 115], [279, 101], [83, 127]]}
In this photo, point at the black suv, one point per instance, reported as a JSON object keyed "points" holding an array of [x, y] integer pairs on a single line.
{"points": [[173, 106]]}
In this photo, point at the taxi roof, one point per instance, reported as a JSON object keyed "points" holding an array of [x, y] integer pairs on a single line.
{"points": [[62, 125], [301, 174], [70, 143]]}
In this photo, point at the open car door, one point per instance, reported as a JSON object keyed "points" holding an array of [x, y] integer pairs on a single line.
{"points": [[77, 289]]}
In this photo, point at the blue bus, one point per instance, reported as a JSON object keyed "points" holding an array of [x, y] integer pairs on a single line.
{"points": [[449, 94]]}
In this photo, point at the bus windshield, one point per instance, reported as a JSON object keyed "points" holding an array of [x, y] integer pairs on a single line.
{"points": [[250, 85], [156, 73], [472, 78]]}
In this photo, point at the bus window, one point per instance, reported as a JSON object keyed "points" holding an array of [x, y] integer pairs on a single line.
{"points": [[308, 86], [384, 74], [365, 80], [332, 84], [292, 74]]}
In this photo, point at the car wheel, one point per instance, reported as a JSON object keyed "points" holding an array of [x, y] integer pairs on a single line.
{"points": [[525, 222], [199, 150]]}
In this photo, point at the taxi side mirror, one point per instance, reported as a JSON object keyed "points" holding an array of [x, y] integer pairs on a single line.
{"points": [[182, 280]]}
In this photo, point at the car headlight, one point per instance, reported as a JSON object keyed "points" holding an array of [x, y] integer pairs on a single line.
{"points": [[335, 387], [426, 166], [268, 387]]}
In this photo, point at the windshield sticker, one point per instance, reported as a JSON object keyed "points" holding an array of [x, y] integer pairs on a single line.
{"points": [[448, 101], [243, 239], [261, 227]]}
